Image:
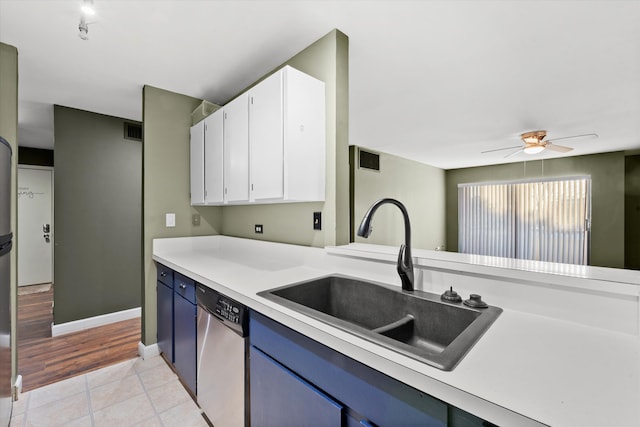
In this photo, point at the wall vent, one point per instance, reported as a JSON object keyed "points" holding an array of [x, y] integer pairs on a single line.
{"points": [[368, 160], [133, 131]]}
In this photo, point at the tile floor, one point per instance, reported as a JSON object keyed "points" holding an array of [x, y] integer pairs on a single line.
{"points": [[132, 393]]}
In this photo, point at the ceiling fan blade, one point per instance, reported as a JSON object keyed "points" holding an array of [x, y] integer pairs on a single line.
{"points": [[519, 150], [558, 148], [500, 149], [573, 136]]}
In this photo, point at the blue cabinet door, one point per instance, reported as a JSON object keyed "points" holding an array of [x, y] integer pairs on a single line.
{"points": [[165, 320], [184, 339], [460, 418], [281, 398], [377, 399]]}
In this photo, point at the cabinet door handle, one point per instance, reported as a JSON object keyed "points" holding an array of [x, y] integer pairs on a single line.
{"points": [[163, 274], [183, 286]]}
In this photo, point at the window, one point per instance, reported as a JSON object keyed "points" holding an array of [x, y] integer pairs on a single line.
{"points": [[544, 220]]}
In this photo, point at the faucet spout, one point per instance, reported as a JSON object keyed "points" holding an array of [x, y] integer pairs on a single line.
{"points": [[405, 261]]}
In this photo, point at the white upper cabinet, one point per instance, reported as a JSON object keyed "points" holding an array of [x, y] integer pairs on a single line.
{"points": [[197, 163], [213, 159], [265, 138], [206, 161], [265, 146], [304, 137], [287, 138], [236, 150]]}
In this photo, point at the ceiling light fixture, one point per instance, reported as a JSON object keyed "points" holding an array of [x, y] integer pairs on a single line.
{"points": [[87, 7], [533, 148]]}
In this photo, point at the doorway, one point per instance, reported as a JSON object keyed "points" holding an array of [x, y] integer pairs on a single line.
{"points": [[35, 226]]}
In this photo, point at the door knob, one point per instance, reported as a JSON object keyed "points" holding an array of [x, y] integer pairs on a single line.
{"points": [[46, 228]]}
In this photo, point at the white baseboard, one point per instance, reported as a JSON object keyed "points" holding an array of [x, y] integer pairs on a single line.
{"points": [[92, 322], [17, 388], [147, 351]]}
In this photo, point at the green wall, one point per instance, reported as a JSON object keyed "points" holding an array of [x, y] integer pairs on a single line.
{"points": [[9, 131], [166, 124], [607, 176], [328, 60], [97, 216], [632, 212], [418, 186]]}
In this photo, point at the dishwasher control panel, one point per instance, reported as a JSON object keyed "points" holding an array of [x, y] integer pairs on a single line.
{"points": [[227, 310]]}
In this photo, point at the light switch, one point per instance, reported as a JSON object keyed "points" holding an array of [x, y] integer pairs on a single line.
{"points": [[170, 220]]}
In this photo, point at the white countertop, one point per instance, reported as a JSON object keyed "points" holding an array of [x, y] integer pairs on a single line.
{"points": [[528, 368]]}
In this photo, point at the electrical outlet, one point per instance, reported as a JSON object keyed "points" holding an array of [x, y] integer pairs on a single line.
{"points": [[258, 228], [195, 219], [317, 220]]}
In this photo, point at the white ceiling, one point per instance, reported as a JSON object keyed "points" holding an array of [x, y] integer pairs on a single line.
{"points": [[434, 81]]}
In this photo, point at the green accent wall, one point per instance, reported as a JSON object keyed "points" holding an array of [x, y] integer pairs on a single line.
{"points": [[632, 212], [97, 216], [166, 127], [418, 186], [328, 60], [9, 131], [608, 197]]}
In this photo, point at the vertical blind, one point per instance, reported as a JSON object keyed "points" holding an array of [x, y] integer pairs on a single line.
{"points": [[545, 220]]}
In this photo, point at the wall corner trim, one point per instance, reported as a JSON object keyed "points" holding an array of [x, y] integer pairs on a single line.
{"points": [[92, 322]]}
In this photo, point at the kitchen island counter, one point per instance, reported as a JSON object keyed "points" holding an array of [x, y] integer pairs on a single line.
{"points": [[544, 361]]}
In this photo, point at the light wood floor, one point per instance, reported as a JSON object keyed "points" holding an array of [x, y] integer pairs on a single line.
{"points": [[43, 359]]}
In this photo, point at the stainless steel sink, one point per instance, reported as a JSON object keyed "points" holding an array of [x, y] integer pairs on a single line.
{"points": [[417, 324]]}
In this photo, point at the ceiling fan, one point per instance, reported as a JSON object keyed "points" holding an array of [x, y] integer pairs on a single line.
{"points": [[535, 142]]}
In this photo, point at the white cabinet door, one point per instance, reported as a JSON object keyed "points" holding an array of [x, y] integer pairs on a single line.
{"points": [[197, 163], [236, 150], [213, 158], [265, 146], [265, 138], [304, 137], [287, 138]]}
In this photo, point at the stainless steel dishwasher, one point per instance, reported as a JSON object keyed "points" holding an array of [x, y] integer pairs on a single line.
{"points": [[223, 371]]}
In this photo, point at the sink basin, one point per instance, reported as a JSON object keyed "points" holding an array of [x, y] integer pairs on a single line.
{"points": [[416, 324]]}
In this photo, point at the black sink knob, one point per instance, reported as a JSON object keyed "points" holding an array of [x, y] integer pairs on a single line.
{"points": [[450, 296], [475, 301]]}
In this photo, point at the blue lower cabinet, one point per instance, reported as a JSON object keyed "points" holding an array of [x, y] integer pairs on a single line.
{"points": [[165, 320], [460, 418], [281, 398], [185, 338], [369, 397], [177, 323], [351, 421]]}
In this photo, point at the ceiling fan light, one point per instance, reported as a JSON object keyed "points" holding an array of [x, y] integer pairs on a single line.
{"points": [[533, 148], [87, 8]]}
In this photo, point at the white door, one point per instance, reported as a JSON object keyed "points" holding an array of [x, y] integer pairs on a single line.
{"points": [[35, 229]]}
